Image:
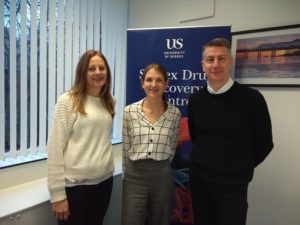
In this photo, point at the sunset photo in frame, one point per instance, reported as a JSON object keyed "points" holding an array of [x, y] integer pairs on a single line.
{"points": [[268, 56]]}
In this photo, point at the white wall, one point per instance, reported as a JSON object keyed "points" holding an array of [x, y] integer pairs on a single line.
{"points": [[274, 193], [241, 14]]}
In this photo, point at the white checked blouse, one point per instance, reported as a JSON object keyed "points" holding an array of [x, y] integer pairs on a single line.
{"points": [[143, 140]]}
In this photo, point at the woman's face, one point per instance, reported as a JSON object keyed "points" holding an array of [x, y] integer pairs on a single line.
{"points": [[96, 75], [154, 84]]}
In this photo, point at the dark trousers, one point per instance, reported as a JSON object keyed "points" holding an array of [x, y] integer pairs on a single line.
{"points": [[88, 203], [215, 204]]}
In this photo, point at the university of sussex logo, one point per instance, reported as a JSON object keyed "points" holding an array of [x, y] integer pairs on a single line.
{"points": [[174, 43]]}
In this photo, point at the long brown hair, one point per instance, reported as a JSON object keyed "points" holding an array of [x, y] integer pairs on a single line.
{"points": [[79, 89], [161, 69]]}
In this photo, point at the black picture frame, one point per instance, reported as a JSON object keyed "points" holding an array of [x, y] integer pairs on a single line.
{"points": [[267, 56]]}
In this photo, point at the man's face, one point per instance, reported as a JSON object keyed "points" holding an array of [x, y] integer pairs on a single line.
{"points": [[217, 63]]}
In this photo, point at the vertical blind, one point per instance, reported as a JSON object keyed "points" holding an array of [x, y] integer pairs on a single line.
{"points": [[40, 44]]}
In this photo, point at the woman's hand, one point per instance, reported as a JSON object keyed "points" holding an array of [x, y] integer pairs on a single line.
{"points": [[60, 209]]}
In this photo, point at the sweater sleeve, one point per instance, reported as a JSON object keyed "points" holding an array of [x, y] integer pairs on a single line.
{"points": [[262, 129], [60, 131]]}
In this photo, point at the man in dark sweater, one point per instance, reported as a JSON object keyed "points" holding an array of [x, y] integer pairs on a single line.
{"points": [[231, 132]]}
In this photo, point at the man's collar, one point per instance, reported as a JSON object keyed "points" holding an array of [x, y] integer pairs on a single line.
{"points": [[223, 89]]}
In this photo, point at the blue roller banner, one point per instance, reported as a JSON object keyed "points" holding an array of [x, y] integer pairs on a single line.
{"points": [[180, 51]]}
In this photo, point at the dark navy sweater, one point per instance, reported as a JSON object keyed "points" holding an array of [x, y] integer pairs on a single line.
{"points": [[231, 134]]}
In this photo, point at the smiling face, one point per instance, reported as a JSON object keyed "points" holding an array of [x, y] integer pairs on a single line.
{"points": [[96, 75], [217, 63], [154, 84]]}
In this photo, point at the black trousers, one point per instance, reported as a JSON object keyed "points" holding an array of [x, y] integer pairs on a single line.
{"points": [[215, 204], [88, 203]]}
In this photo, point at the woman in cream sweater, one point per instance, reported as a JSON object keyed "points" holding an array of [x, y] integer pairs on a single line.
{"points": [[80, 161]]}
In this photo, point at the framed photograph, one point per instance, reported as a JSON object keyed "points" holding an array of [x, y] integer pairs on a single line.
{"points": [[268, 56]]}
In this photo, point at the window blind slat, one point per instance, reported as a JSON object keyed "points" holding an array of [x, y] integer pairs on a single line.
{"points": [[89, 24], [96, 23], [68, 47], [24, 78], [76, 43], [52, 61], [83, 12], [33, 77], [2, 82], [104, 25], [60, 46], [13, 81], [43, 76]]}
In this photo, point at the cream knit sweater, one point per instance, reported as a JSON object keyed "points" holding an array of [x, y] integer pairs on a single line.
{"points": [[79, 146]]}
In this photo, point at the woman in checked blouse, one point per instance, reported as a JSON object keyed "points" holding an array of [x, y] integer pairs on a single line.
{"points": [[150, 133]]}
